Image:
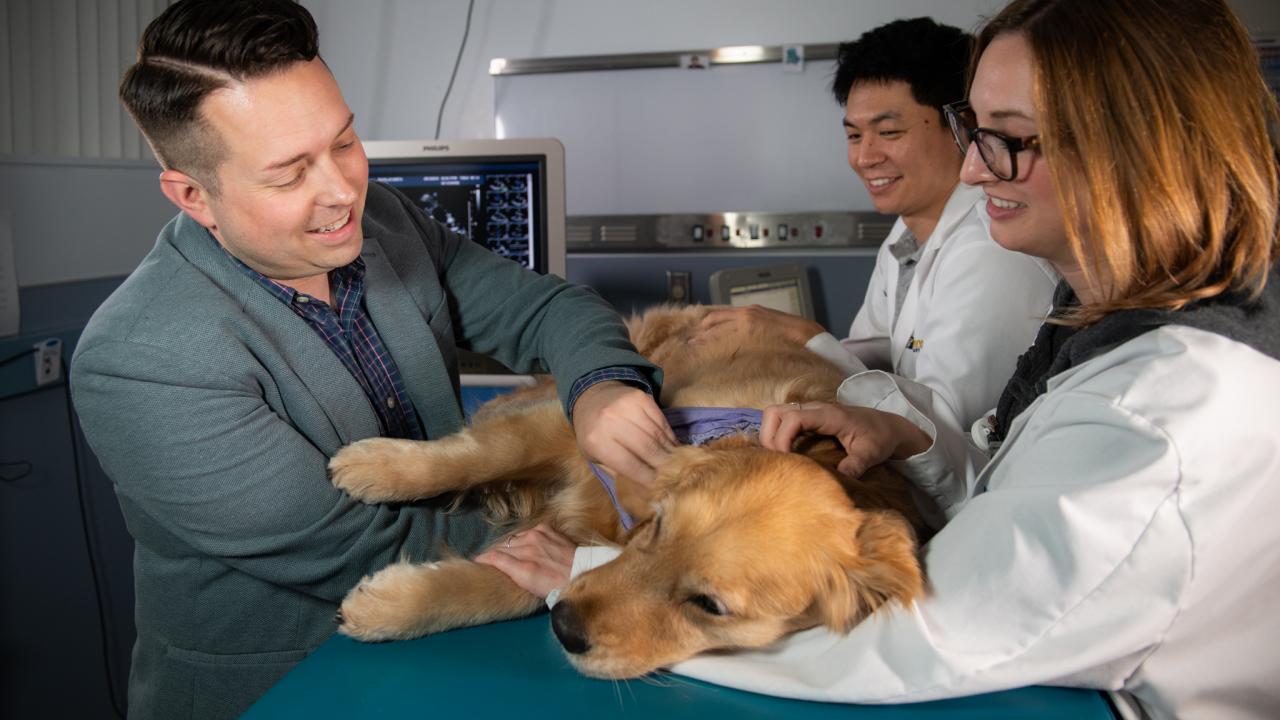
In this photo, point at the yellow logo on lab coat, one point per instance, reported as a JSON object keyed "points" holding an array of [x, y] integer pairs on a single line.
{"points": [[914, 343]]}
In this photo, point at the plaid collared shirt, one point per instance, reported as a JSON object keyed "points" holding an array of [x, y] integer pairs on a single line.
{"points": [[348, 331]]}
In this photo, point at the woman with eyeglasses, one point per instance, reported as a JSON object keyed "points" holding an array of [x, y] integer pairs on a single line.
{"points": [[1121, 529]]}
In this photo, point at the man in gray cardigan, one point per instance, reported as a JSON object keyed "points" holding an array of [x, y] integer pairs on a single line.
{"points": [[291, 309]]}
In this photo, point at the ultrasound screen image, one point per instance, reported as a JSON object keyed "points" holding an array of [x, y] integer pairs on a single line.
{"points": [[494, 204]]}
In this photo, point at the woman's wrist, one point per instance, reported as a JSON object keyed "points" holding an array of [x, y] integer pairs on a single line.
{"points": [[911, 439]]}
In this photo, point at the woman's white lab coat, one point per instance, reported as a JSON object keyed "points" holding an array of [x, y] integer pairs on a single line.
{"points": [[1123, 538]]}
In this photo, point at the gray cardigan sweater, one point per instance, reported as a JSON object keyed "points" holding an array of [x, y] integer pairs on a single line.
{"points": [[214, 409]]}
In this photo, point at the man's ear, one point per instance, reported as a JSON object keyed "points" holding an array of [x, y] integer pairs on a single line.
{"points": [[189, 195]]}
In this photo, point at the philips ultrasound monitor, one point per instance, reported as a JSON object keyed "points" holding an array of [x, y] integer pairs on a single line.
{"points": [[507, 195]]}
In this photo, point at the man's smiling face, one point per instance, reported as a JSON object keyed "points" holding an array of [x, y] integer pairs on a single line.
{"points": [[902, 150], [292, 187]]}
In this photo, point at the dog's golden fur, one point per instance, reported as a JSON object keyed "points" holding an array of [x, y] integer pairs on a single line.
{"points": [[735, 546]]}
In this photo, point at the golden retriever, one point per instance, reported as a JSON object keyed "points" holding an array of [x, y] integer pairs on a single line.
{"points": [[734, 547]]}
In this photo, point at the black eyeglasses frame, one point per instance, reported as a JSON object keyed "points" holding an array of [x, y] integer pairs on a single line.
{"points": [[966, 133]]}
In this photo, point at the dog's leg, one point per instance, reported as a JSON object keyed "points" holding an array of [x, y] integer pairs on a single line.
{"points": [[407, 600], [521, 446]]}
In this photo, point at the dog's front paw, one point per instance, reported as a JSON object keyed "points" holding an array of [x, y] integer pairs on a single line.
{"points": [[377, 470], [388, 605], [407, 600]]}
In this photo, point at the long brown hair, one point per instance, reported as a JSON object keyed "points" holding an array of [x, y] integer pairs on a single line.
{"points": [[1158, 130]]}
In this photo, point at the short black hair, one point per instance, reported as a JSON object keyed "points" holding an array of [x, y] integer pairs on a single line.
{"points": [[933, 59], [196, 47]]}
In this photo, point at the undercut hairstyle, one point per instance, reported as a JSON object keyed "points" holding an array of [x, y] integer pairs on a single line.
{"points": [[196, 47], [1158, 130], [929, 57]]}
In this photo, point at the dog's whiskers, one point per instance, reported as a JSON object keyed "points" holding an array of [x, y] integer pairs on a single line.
{"points": [[664, 679]]}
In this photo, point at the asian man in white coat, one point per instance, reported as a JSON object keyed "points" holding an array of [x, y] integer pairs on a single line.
{"points": [[948, 311]]}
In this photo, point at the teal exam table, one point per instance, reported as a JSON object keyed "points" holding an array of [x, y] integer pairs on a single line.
{"points": [[516, 670]]}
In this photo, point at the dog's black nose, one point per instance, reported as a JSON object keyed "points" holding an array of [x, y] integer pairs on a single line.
{"points": [[568, 628]]}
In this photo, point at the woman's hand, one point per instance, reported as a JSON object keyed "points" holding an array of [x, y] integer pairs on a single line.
{"points": [[538, 560], [868, 436]]}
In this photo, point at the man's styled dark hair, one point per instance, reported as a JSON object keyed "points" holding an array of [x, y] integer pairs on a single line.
{"points": [[196, 47], [931, 58]]}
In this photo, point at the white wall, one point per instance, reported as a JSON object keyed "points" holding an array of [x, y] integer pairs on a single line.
{"points": [[735, 138], [396, 83], [78, 220], [393, 57]]}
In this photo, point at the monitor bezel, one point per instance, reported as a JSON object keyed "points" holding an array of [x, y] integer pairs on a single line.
{"points": [[386, 152], [723, 283]]}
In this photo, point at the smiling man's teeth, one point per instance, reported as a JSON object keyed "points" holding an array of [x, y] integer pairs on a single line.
{"points": [[330, 228], [880, 182], [1004, 204]]}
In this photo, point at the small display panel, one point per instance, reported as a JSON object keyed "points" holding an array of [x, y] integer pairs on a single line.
{"points": [[782, 295], [778, 287]]}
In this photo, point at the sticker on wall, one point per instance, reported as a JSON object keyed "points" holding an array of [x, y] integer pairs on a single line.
{"points": [[793, 58]]}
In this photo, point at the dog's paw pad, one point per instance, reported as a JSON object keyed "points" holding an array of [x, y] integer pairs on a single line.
{"points": [[391, 604], [372, 469], [367, 616]]}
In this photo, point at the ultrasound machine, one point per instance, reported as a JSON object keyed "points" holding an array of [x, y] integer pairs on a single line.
{"points": [[507, 195]]}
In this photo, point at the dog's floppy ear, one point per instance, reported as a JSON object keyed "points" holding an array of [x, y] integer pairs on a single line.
{"points": [[687, 464], [882, 566], [684, 465]]}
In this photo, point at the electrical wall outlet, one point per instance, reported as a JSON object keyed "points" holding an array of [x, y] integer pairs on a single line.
{"points": [[48, 361]]}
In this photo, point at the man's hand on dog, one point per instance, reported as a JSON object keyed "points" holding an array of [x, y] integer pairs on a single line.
{"points": [[869, 436], [743, 319], [622, 429], [538, 560]]}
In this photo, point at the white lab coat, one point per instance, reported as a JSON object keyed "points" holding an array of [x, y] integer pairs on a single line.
{"points": [[1126, 540], [972, 306]]}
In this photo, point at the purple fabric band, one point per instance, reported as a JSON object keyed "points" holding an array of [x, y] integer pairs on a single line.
{"points": [[701, 425]]}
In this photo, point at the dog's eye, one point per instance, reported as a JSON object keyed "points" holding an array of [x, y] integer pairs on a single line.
{"points": [[708, 604]]}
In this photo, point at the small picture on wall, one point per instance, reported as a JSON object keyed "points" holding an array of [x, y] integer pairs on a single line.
{"points": [[695, 62]]}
